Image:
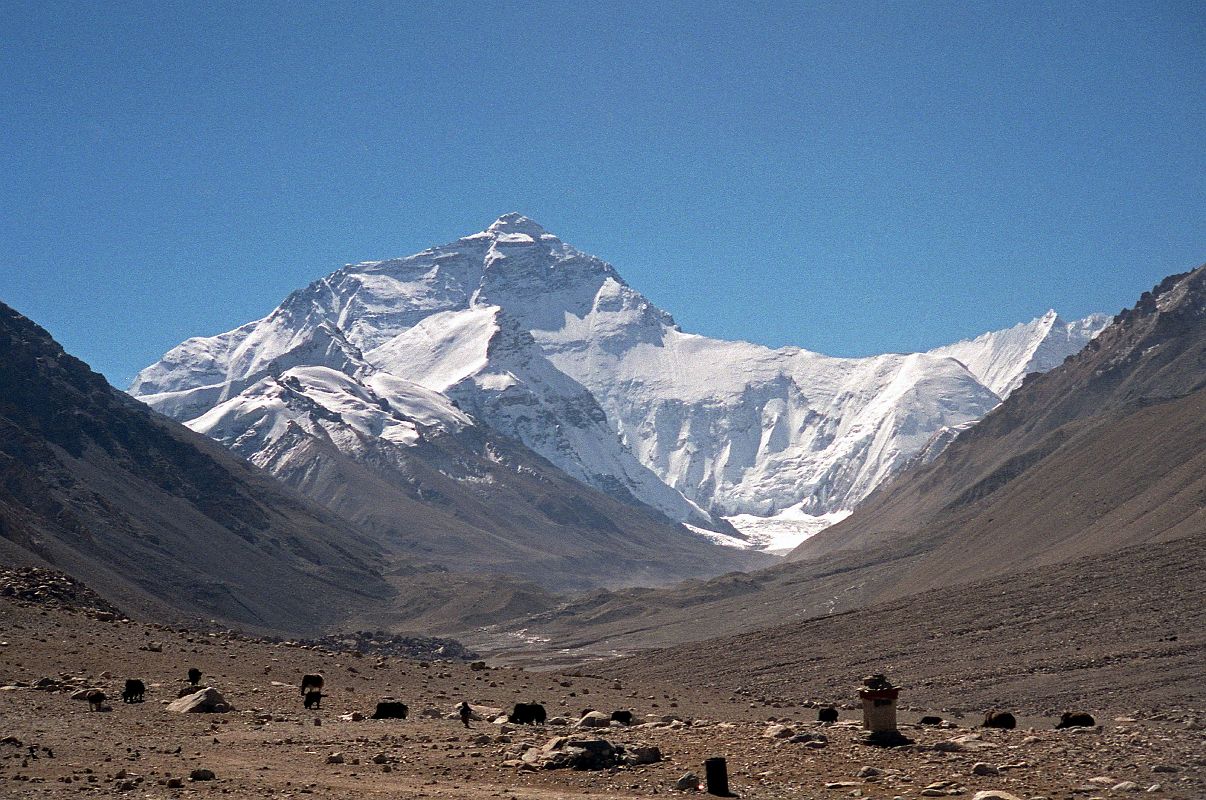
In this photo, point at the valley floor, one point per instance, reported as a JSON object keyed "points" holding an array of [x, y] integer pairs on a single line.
{"points": [[271, 747]]}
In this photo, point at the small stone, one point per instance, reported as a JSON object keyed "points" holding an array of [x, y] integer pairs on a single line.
{"points": [[175, 783], [335, 758], [1126, 786], [687, 783], [984, 768], [777, 732], [995, 794], [868, 772], [201, 775]]}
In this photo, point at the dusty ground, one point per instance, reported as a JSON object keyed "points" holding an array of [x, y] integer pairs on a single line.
{"points": [[271, 747]]}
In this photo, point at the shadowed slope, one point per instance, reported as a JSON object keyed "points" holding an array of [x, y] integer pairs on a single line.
{"points": [[157, 518]]}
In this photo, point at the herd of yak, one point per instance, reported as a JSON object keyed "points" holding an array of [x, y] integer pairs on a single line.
{"points": [[534, 713]]}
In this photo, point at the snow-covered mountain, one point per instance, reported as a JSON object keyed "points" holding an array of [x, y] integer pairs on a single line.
{"points": [[1000, 359], [517, 331]]}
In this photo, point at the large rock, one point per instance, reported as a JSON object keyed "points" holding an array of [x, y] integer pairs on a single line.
{"points": [[643, 754], [565, 752], [594, 719], [207, 701]]}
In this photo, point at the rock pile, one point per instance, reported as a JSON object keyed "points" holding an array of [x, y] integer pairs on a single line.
{"points": [[38, 585], [580, 752]]}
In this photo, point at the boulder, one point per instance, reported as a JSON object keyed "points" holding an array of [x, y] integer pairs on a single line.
{"points": [[687, 783], [643, 754], [995, 794], [565, 752], [207, 701], [594, 719], [778, 732]]}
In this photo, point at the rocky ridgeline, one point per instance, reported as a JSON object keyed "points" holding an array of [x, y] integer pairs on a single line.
{"points": [[50, 587]]}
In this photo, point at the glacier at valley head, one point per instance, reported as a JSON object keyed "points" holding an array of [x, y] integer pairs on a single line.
{"points": [[514, 329]]}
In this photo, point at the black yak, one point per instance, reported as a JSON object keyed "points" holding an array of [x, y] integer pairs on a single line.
{"points": [[96, 699], [313, 700], [827, 714], [1000, 719], [311, 683], [134, 691], [390, 709], [527, 714], [622, 717], [194, 676], [1075, 720]]}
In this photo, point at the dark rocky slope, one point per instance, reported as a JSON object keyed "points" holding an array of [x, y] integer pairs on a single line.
{"points": [[158, 519]]}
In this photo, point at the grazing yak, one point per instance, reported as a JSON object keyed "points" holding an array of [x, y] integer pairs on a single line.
{"points": [[1000, 719], [313, 700], [390, 709], [96, 700], [527, 714], [827, 714], [1075, 720], [194, 676], [930, 721], [311, 683], [134, 691], [622, 717]]}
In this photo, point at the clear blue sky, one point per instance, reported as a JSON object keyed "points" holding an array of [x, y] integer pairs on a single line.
{"points": [[849, 177]]}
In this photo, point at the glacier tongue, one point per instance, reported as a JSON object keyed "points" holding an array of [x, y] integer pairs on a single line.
{"points": [[516, 330]]}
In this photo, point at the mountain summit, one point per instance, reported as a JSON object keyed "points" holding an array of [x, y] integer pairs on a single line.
{"points": [[544, 344], [514, 222]]}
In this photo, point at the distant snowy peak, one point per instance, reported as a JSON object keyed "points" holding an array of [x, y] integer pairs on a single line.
{"points": [[513, 329], [1001, 359]]}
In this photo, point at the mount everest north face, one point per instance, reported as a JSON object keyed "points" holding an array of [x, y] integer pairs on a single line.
{"points": [[516, 332]]}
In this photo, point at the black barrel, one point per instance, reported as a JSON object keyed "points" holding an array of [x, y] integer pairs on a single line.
{"points": [[717, 772]]}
